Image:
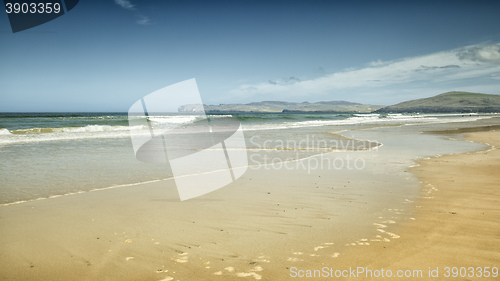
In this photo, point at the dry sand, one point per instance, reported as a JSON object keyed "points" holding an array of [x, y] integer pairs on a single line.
{"points": [[457, 219]]}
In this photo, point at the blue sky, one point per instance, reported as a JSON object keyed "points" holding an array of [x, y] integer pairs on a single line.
{"points": [[104, 55]]}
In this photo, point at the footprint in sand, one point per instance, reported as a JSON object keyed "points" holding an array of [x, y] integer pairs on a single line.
{"points": [[247, 274], [258, 268], [183, 258], [393, 236], [322, 246], [360, 242], [263, 258], [252, 272], [229, 269], [317, 248]]}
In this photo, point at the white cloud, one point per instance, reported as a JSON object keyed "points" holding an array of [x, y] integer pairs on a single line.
{"points": [[474, 66], [377, 63], [490, 53], [126, 4], [143, 20]]}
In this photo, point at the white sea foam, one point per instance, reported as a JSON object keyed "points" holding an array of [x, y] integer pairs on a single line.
{"points": [[220, 116], [68, 133], [4, 132], [120, 131], [367, 115], [87, 129], [176, 119], [369, 119]]}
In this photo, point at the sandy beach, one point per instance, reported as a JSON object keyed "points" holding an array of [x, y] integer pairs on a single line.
{"points": [[261, 227], [456, 222], [250, 140]]}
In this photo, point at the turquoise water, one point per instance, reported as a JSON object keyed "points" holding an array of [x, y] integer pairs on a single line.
{"points": [[48, 154]]}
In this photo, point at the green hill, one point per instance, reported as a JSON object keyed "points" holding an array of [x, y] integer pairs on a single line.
{"points": [[461, 102]]}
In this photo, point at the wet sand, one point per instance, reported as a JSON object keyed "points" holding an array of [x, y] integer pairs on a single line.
{"points": [[252, 229], [456, 221]]}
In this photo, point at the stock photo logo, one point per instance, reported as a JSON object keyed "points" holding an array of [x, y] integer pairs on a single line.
{"points": [[25, 14], [205, 153]]}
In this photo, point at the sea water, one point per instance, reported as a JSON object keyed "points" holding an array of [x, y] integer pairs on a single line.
{"points": [[49, 154]]}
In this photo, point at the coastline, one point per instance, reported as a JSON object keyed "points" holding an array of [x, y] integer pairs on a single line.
{"points": [[260, 227], [456, 222]]}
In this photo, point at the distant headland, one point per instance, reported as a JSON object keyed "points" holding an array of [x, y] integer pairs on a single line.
{"points": [[460, 102]]}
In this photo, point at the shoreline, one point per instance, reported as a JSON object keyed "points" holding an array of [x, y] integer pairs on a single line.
{"points": [[80, 192], [371, 146], [456, 218]]}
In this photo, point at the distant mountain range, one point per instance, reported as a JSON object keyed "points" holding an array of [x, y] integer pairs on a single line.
{"points": [[282, 106], [462, 102]]}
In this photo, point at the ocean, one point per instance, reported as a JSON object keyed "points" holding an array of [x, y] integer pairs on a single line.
{"points": [[46, 155]]}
